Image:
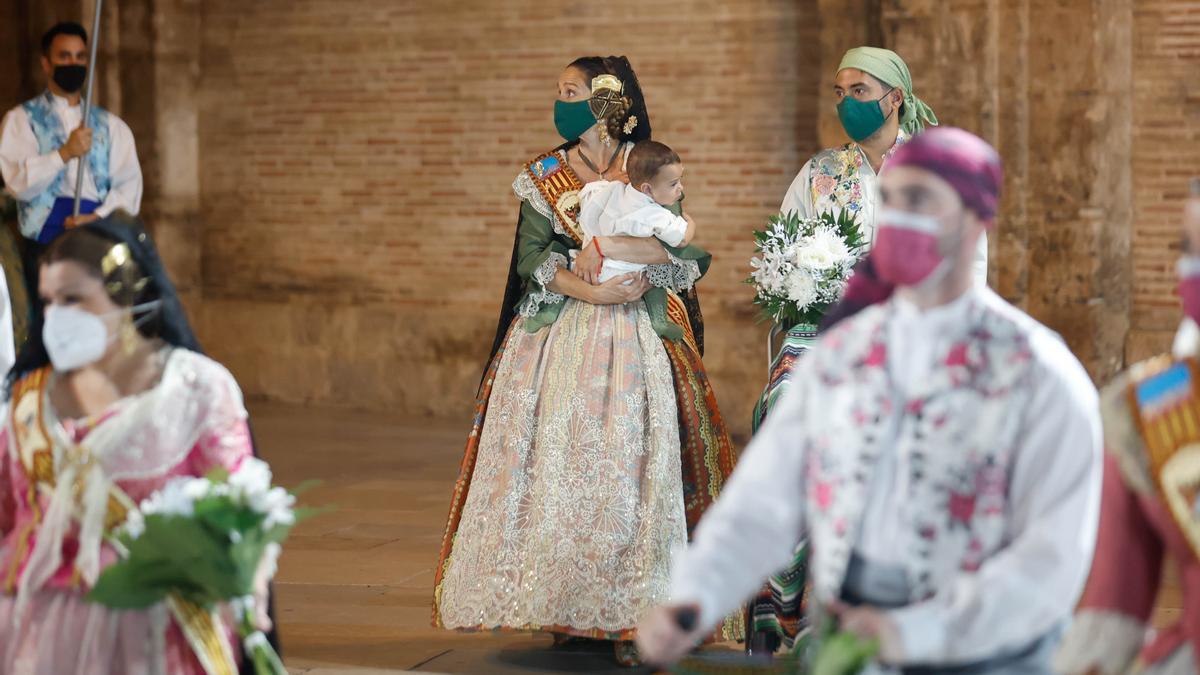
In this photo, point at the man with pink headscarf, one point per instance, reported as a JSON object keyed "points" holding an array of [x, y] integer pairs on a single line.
{"points": [[940, 449]]}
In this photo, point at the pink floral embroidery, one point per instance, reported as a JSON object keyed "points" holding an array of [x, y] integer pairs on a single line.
{"points": [[824, 185], [839, 527], [878, 356], [973, 558], [836, 179], [962, 507], [957, 356], [991, 481], [824, 495]]}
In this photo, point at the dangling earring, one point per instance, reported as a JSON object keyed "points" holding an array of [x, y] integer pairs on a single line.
{"points": [[604, 137], [128, 335]]}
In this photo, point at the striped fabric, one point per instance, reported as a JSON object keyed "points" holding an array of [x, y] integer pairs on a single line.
{"points": [[777, 613]]}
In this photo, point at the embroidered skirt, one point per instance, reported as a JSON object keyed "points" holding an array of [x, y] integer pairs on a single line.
{"points": [[575, 501]]}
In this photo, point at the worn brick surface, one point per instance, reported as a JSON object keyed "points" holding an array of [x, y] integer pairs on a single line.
{"points": [[357, 162], [1166, 153], [330, 181]]}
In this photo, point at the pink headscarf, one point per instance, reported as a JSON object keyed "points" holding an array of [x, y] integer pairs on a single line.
{"points": [[967, 162]]}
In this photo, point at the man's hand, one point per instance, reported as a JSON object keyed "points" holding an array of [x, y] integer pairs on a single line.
{"points": [[73, 222], [78, 145], [871, 623], [660, 639]]}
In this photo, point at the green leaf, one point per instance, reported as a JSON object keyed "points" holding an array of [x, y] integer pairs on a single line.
{"points": [[128, 585], [305, 487], [844, 653], [303, 513], [194, 556], [222, 513]]}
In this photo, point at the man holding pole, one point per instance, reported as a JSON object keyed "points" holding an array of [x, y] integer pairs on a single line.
{"points": [[44, 141]]}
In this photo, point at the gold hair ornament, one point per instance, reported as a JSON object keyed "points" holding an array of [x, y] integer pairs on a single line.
{"points": [[606, 95], [121, 273]]}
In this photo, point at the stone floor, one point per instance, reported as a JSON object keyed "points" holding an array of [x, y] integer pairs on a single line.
{"points": [[354, 585]]}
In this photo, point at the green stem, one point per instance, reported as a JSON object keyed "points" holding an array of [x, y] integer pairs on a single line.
{"points": [[266, 661]]}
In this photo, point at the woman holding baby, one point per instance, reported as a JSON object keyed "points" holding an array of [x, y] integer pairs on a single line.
{"points": [[596, 443]]}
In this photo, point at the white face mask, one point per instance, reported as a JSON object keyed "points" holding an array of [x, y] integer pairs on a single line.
{"points": [[75, 338]]}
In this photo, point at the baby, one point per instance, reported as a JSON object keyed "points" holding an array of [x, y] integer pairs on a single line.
{"points": [[609, 208]]}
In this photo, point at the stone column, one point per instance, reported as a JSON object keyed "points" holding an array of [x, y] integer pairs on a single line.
{"points": [[156, 48], [176, 76], [1051, 89]]}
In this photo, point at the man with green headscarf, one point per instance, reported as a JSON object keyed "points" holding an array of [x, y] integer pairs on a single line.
{"points": [[879, 112]]}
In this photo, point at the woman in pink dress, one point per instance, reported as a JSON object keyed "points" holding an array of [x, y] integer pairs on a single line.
{"points": [[109, 399]]}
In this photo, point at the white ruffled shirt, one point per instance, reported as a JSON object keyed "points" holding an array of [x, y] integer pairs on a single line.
{"points": [[752, 529], [613, 208], [27, 173]]}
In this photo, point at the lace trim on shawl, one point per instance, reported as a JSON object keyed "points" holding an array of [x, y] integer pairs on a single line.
{"points": [[147, 436], [157, 429], [526, 191], [677, 275], [542, 295]]}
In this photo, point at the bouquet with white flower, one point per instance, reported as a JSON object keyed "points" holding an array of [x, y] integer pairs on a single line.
{"points": [[210, 541], [803, 265]]}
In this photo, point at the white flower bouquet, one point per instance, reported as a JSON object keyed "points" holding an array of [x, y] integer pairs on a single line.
{"points": [[210, 541], [802, 265]]}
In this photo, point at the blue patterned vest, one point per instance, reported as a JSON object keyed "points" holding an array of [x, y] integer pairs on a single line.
{"points": [[51, 135]]}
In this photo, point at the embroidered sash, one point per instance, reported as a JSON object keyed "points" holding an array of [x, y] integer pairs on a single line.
{"points": [[559, 185], [30, 420], [677, 314], [1164, 396]]}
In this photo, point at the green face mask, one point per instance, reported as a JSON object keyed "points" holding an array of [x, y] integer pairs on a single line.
{"points": [[860, 119], [572, 119]]}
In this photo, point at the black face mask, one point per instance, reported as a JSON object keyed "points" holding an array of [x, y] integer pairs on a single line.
{"points": [[70, 78]]}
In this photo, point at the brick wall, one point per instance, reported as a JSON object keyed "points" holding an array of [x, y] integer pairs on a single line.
{"points": [[356, 164], [330, 185], [1166, 153]]}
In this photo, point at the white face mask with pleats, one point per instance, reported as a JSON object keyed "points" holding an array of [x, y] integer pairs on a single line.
{"points": [[75, 338]]}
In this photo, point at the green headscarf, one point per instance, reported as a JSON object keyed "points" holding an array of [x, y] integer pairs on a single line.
{"points": [[889, 68]]}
